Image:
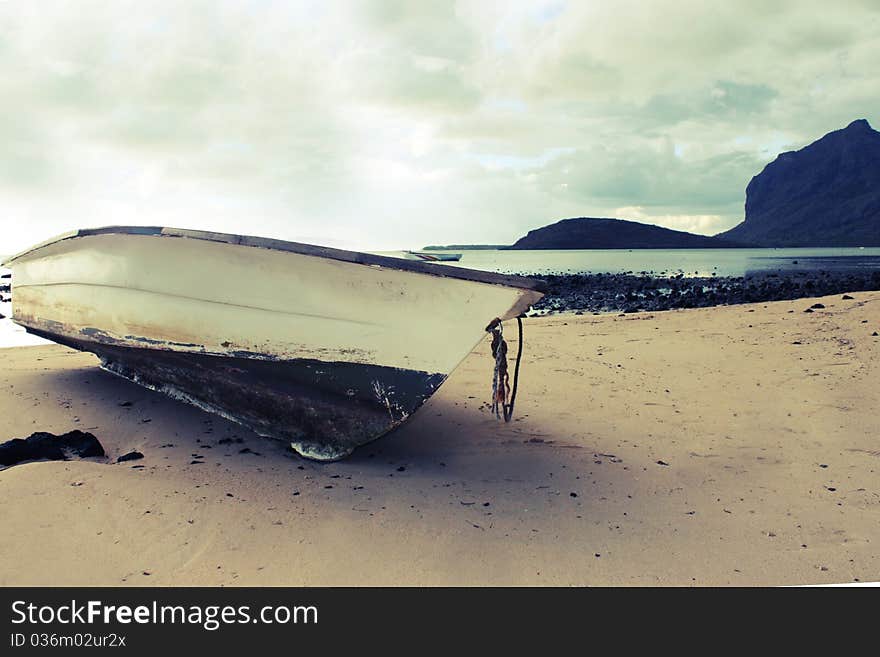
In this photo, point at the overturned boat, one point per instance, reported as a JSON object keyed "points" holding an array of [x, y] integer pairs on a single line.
{"points": [[323, 348]]}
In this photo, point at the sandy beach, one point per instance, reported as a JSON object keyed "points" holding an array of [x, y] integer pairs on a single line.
{"points": [[736, 445]]}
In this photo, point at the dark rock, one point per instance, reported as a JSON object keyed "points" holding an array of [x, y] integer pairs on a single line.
{"points": [[662, 463], [131, 456], [826, 194], [818, 305], [846, 297], [615, 292], [43, 445]]}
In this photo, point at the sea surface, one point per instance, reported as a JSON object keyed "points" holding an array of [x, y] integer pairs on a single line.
{"points": [[658, 262], [690, 262]]}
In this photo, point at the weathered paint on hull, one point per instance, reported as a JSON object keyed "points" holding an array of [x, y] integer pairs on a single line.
{"points": [[324, 410], [326, 349], [204, 296]]}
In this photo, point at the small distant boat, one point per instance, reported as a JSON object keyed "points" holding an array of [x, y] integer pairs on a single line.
{"points": [[322, 348], [434, 257]]}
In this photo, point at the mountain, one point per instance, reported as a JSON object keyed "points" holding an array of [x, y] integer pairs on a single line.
{"points": [[826, 194], [590, 233]]}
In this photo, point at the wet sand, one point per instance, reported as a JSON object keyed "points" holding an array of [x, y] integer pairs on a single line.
{"points": [[735, 445]]}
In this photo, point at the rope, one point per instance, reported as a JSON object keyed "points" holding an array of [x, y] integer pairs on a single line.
{"points": [[509, 410], [500, 377]]}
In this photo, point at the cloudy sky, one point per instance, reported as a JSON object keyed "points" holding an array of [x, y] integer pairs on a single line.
{"points": [[388, 124]]}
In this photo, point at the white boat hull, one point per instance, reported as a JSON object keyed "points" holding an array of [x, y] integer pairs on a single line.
{"points": [[276, 335]]}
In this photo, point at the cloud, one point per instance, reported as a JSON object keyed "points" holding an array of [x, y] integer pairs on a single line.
{"points": [[388, 124]]}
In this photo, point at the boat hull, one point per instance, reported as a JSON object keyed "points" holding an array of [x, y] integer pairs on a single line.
{"points": [[324, 349], [323, 409]]}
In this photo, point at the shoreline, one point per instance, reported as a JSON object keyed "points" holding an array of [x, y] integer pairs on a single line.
{"points": [[646, 292]]}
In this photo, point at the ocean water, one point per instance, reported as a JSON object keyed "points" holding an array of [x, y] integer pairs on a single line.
{"points": [[691, 262]]}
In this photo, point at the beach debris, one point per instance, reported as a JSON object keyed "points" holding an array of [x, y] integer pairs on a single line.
{"points": [[662, 463], [131, 456], [44, 445]]}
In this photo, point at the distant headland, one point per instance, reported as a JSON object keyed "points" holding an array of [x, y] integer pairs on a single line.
{"points": [[592, 233], [464, 247]]}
